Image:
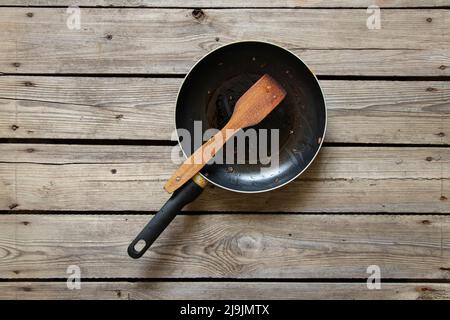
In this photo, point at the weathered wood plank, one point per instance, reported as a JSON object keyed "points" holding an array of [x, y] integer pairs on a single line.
{"points": [[410, 42], [416, 112], [343, 179], [228, 246], [233, 3], [222, 290], [87, 108]]}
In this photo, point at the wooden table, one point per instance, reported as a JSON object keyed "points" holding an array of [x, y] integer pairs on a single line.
{"points": [[85, 132]]}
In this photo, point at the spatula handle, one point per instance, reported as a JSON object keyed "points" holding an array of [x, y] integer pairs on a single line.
{"points": [[198, 159]]}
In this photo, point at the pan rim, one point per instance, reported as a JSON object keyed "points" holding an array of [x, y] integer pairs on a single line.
{"points": [[323, 98]]}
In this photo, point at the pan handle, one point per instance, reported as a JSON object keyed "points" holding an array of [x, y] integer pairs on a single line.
{"points": [[184, 195]]}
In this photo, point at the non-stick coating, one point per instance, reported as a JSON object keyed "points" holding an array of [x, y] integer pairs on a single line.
{"points": [[212, 87]]}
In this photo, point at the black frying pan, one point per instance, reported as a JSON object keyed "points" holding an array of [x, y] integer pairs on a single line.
{"points": [[208, 94]]}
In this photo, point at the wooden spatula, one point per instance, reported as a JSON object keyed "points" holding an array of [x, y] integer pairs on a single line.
{"points": [[254, 105]]}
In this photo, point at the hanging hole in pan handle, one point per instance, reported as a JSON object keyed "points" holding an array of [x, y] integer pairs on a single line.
{"points": [[137, 249]]}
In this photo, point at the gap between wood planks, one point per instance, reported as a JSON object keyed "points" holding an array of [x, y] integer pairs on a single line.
{"points": [[341, 77], [234, 280], [202, 213], [219, 7], [151, 142], [139, 142]]}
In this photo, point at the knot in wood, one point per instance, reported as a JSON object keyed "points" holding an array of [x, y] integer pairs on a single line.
{"points": [[198, 14], [248, 244]]}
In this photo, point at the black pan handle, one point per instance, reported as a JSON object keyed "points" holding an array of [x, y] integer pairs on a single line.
{"points": [[181, 197]]}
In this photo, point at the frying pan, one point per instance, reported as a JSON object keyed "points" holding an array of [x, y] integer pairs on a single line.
{"points": [[208, 94]]}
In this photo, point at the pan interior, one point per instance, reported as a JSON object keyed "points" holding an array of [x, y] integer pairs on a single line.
{"points": [[209, 94]]}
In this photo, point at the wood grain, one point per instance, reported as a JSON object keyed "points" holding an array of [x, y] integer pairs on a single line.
{"points": [[415, 112], [342, 179], [233, 3], [222, 290], [410, 42], [249, 246]]}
